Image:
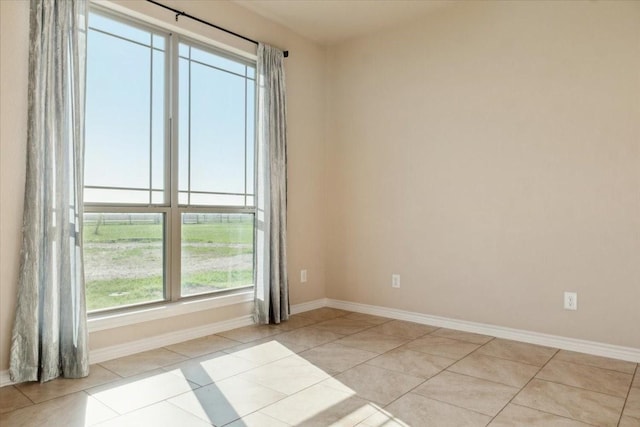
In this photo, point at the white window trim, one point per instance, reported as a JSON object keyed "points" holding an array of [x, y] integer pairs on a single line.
{"points": [[251, 55], [100, 322], [167, 309]]}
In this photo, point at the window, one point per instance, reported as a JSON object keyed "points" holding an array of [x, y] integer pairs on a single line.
{"points": [[169, 166]]}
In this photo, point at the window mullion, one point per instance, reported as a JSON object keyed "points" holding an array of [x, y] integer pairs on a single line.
{"points": [[151, 123], [245, 138], [174, 239]]}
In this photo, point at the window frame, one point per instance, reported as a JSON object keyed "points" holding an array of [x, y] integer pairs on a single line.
{"points": [[171, 209]]}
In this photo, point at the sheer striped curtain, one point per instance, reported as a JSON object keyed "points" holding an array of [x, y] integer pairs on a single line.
{"points": [[50, 331], [272, 290]]}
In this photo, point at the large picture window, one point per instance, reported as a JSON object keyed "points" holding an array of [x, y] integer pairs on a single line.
{"points": [[169, 166]]}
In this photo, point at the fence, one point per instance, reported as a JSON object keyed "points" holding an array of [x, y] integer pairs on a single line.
{"points": [[142, 218]]}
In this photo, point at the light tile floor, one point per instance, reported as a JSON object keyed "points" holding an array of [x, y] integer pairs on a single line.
{"points": [[331, 367]]}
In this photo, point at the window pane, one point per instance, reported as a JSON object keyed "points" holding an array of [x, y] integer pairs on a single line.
{"points": [[184, 50], [159, 42], [251, 72], [251, 119], [199, 199], [127, 162], [183, 198], [158, 129], [217, 61], [183, 127], [112, 26], [123, 259], [217, 252], [125, 111], [116, 195], [216, 130]]}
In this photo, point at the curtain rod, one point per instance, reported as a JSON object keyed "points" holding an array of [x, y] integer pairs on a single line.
{"points": [[180, 13]]}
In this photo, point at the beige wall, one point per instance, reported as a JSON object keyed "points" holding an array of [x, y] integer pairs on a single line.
{"points": [[490, 154], [14, 35], [305, 78]]}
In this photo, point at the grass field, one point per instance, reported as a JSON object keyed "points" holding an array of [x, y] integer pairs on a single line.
{"points": [[124, 260]]}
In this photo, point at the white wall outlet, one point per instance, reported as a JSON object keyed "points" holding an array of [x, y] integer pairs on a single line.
{"points": [[303, 276], [395, 280], [570, 301]]}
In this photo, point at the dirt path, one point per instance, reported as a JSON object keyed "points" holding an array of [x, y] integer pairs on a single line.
{"points": [[107, 261]]}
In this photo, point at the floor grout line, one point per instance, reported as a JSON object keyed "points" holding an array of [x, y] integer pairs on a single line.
{"points": [[407, 340], [624, 406], [551, 413], [524, 386]]}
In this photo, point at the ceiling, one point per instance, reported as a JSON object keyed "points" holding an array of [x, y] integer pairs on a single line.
{"points": [[332, 21]]}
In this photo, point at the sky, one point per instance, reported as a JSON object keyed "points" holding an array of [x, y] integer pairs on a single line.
{"points": [[125, 117]]}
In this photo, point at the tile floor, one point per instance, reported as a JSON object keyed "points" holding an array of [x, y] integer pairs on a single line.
{"points": [[332, 367]]}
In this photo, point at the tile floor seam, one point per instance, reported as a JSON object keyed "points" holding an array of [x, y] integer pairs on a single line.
{"points": [[371, 351], [452, 404], [456, 361], [171, 351], [33, 402], [265, 406], [344, 315], [65, 394], [550, 413], [114, 373], [197, 386], [626, 399], [403, 394], [460, 340], [579, 388], [427, 379], [508, 360], [366, 362], [592, 365], [495, 382], [479, 346], [22, 393], [523, 387], [140, 408], [476, 378], [273, 389], [472, 351]]}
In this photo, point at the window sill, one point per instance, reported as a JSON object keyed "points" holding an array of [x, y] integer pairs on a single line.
{"points": [[101, 322]]}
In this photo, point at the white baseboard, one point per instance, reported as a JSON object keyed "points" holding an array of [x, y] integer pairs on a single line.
{"points": [[156, 341], [100, 322], [583, 346], [309, 305], [129, 348]]}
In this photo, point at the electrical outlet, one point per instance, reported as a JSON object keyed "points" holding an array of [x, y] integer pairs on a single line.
{"points": [[303, 276], [570, 301], [395, 280]]}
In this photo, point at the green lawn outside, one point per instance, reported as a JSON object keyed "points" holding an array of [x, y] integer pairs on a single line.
{"points": [[123, 261], [234, 232]]}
